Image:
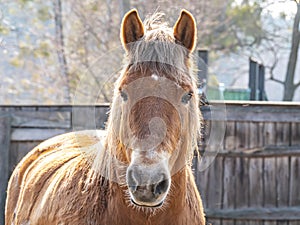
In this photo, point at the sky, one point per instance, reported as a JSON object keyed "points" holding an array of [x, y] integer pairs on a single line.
{"points": [[288, 7], [275, 7]]}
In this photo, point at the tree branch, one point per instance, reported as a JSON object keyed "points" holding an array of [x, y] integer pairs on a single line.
{"points": [[276, 80], [297, 85]]}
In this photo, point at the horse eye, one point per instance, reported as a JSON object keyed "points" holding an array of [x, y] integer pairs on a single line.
{"points": [[123, 95], [187, 97]]}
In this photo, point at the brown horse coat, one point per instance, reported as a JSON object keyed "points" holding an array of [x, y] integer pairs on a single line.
{"points": [[54, 184], [70, 180]]}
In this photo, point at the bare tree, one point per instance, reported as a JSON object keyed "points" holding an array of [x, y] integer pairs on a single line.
{"points": [[289, 85], [60, 47]]}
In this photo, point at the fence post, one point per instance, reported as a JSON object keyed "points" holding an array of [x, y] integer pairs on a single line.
{"points": [[253, 77], [4, 158], [261, 82], [202, 66]]}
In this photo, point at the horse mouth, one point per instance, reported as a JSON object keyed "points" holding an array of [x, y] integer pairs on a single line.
{"points": [[147, 205]]}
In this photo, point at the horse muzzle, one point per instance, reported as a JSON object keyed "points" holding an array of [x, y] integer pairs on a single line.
{"points": [[148, 185]]}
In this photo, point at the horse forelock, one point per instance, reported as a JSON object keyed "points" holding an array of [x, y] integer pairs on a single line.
{"points": [[155, 21]]}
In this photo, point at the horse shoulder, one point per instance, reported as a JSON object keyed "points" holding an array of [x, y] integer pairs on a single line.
{"points": [[53, 179]]}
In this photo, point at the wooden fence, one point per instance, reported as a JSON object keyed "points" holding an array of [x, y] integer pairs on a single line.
{"points": [[254, 179]]}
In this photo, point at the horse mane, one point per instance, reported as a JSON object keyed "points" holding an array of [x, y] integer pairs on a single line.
{"points": [[158, 51]]}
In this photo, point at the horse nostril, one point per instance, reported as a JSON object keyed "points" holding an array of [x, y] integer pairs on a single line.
{"points": [[133, 188], [132, 183], [161, 187]]}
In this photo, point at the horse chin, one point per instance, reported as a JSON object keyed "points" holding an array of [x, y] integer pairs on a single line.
{"points": [[148, 205]]}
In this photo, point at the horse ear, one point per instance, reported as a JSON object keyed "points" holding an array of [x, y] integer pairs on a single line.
{"points": [[132, 28], [185, 30]]}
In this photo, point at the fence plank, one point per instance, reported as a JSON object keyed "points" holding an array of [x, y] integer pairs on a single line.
{"points": [[283, 222], [249, 112], [211, 221], [270, 222], [282, 181], [228, 222], [260, 134], [215, 186], [269, 134], [294, 222], [270, 214], [39, 119], [18, 150], [255, 222], [283, 138], [276, 151], [13, 155], [295, 130], [4, 158], [35, 134], [255, 182], [24, 147], [230, 137], [205, 133], [253, 135], [228, 199], [242, 182], [83, 118], [270, 185], [101, 115], [295, 182], [239, 222], [229, 177], [202, 182], [269, 177], [282, 134], [242, 135]]}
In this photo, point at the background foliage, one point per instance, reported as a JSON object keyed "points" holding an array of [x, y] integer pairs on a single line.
{"points": [[49, 48]]}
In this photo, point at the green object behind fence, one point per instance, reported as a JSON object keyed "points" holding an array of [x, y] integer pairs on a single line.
{"points": [[214, 93], [236, 94]]}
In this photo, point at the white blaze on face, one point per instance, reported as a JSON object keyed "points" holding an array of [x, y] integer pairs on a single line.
{"points": [[154, 77], [150, 164], [138, 156]]}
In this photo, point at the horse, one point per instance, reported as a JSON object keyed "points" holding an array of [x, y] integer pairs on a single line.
{"points": [[138, 170]]}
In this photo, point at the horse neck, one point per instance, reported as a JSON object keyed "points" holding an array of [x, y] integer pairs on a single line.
{"points": [[105, 158], [178, 190]]}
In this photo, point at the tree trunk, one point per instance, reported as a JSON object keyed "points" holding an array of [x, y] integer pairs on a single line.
{"points": [[289, 86], [60, 48]]}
